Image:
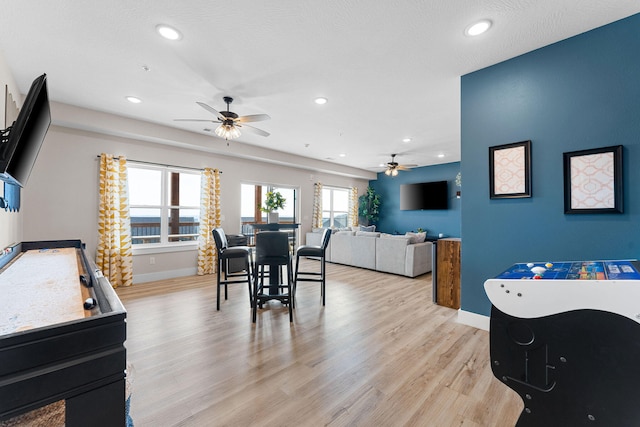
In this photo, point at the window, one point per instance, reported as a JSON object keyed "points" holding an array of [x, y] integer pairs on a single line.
{"points": [[252, 197], [335, 207], [164, 204]]}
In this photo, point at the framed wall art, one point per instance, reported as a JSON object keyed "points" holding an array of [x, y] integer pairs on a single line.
{"points": [[510, 170], [593, 181]]}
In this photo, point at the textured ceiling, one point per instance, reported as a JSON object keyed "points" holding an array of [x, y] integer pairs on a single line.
{"points": [[390, 69]]}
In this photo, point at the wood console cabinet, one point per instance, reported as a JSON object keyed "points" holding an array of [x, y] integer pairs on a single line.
{"points": [[447, 281]]}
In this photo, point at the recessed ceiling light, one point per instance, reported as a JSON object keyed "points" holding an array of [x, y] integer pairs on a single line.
{"points": [[440, 155], [406, 140], [133, 99], [343, 155], [168, 32], [478, 28], [320, 101]]}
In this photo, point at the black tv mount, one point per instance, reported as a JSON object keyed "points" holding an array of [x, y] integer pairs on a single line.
{"points": [[4, 140]]}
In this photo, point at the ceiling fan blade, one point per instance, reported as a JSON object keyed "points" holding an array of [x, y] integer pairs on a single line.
{"points": [[211, 110], [403, 168], [408, 165], [252, 118], [197, 120], [254, 130]]}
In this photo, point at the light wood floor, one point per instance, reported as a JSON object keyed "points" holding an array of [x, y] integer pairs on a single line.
{"points": [[380, 353]]}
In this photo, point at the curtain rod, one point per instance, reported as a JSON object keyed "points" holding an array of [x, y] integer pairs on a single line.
{"points": [[160, 164]]}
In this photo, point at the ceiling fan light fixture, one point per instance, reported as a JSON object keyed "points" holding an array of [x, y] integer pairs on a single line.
{"points": [[394, 172], [227, 131], [387, 172]]}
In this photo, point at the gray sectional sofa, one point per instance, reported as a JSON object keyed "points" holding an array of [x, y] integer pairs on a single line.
{"points": [[377, 251]]}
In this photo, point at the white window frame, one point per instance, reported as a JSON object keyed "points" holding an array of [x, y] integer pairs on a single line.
{"points": [[164, 245], [331, 211]]}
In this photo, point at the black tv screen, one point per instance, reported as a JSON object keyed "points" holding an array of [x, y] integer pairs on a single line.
{"points": [[424, 196], [19, 151]]}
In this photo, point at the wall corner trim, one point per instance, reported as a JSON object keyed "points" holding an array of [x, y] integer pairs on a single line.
{"points": [[473, 319]]}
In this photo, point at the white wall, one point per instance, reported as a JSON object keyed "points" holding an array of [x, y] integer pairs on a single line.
{"points": [[10, 222], [62, 203]]}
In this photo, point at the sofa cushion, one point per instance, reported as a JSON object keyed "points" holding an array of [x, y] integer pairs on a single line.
{"points": [[368, 233], [394, 236]]}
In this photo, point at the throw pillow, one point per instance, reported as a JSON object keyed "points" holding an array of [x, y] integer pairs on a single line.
{"points": [[369, 228], [416, 237]]}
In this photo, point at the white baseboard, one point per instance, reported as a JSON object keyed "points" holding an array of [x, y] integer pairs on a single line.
{"points": [[473, 319], [162, 275]]}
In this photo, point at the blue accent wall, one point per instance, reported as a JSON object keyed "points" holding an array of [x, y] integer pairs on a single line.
{"points": [[394, 221], [577, 94]]}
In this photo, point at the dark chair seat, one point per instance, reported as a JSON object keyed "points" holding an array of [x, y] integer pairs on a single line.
{"points": [[310, 250], [237, 252], [226, 253]]}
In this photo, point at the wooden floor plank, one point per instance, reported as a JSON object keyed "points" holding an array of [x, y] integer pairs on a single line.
{"points": [[379, 353]]}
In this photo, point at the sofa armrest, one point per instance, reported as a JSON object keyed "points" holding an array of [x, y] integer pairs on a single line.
{"points": [[391, 254], [418, 259]]}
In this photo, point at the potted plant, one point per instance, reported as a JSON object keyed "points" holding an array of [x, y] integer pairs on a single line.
{"points": [[272, 203], [369, 206]]}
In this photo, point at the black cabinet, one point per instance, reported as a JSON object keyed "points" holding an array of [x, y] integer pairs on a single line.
{"points": [[81, 361]]}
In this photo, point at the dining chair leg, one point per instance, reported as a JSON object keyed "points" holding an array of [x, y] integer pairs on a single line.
{"points": [[295, 278], [254, 299], [218, 287], [290, 290], [322, 284], [247, 266]]}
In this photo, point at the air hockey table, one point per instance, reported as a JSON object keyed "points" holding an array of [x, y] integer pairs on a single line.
{"points": [[566, 337]]}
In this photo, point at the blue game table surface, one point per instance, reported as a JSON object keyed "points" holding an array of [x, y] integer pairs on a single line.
{"points": [[577, 270]]}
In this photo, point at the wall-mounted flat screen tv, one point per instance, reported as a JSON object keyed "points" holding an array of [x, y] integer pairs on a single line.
{"points": [[424, 196], [18, 152]]}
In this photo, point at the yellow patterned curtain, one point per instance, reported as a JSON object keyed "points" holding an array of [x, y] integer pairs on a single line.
{"points": [[114, 256], [316, 219], [352, 216], [209, 219]]}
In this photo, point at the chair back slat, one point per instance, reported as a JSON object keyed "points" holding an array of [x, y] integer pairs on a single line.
{"points": [[221, 239], [326, 235]]}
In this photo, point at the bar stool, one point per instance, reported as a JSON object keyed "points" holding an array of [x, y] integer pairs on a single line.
{"points": [[226, 253], [272, 250], [313, 276]]}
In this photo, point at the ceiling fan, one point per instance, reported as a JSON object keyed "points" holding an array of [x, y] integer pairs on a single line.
{"points": [[230, 122], [393, 167]]}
